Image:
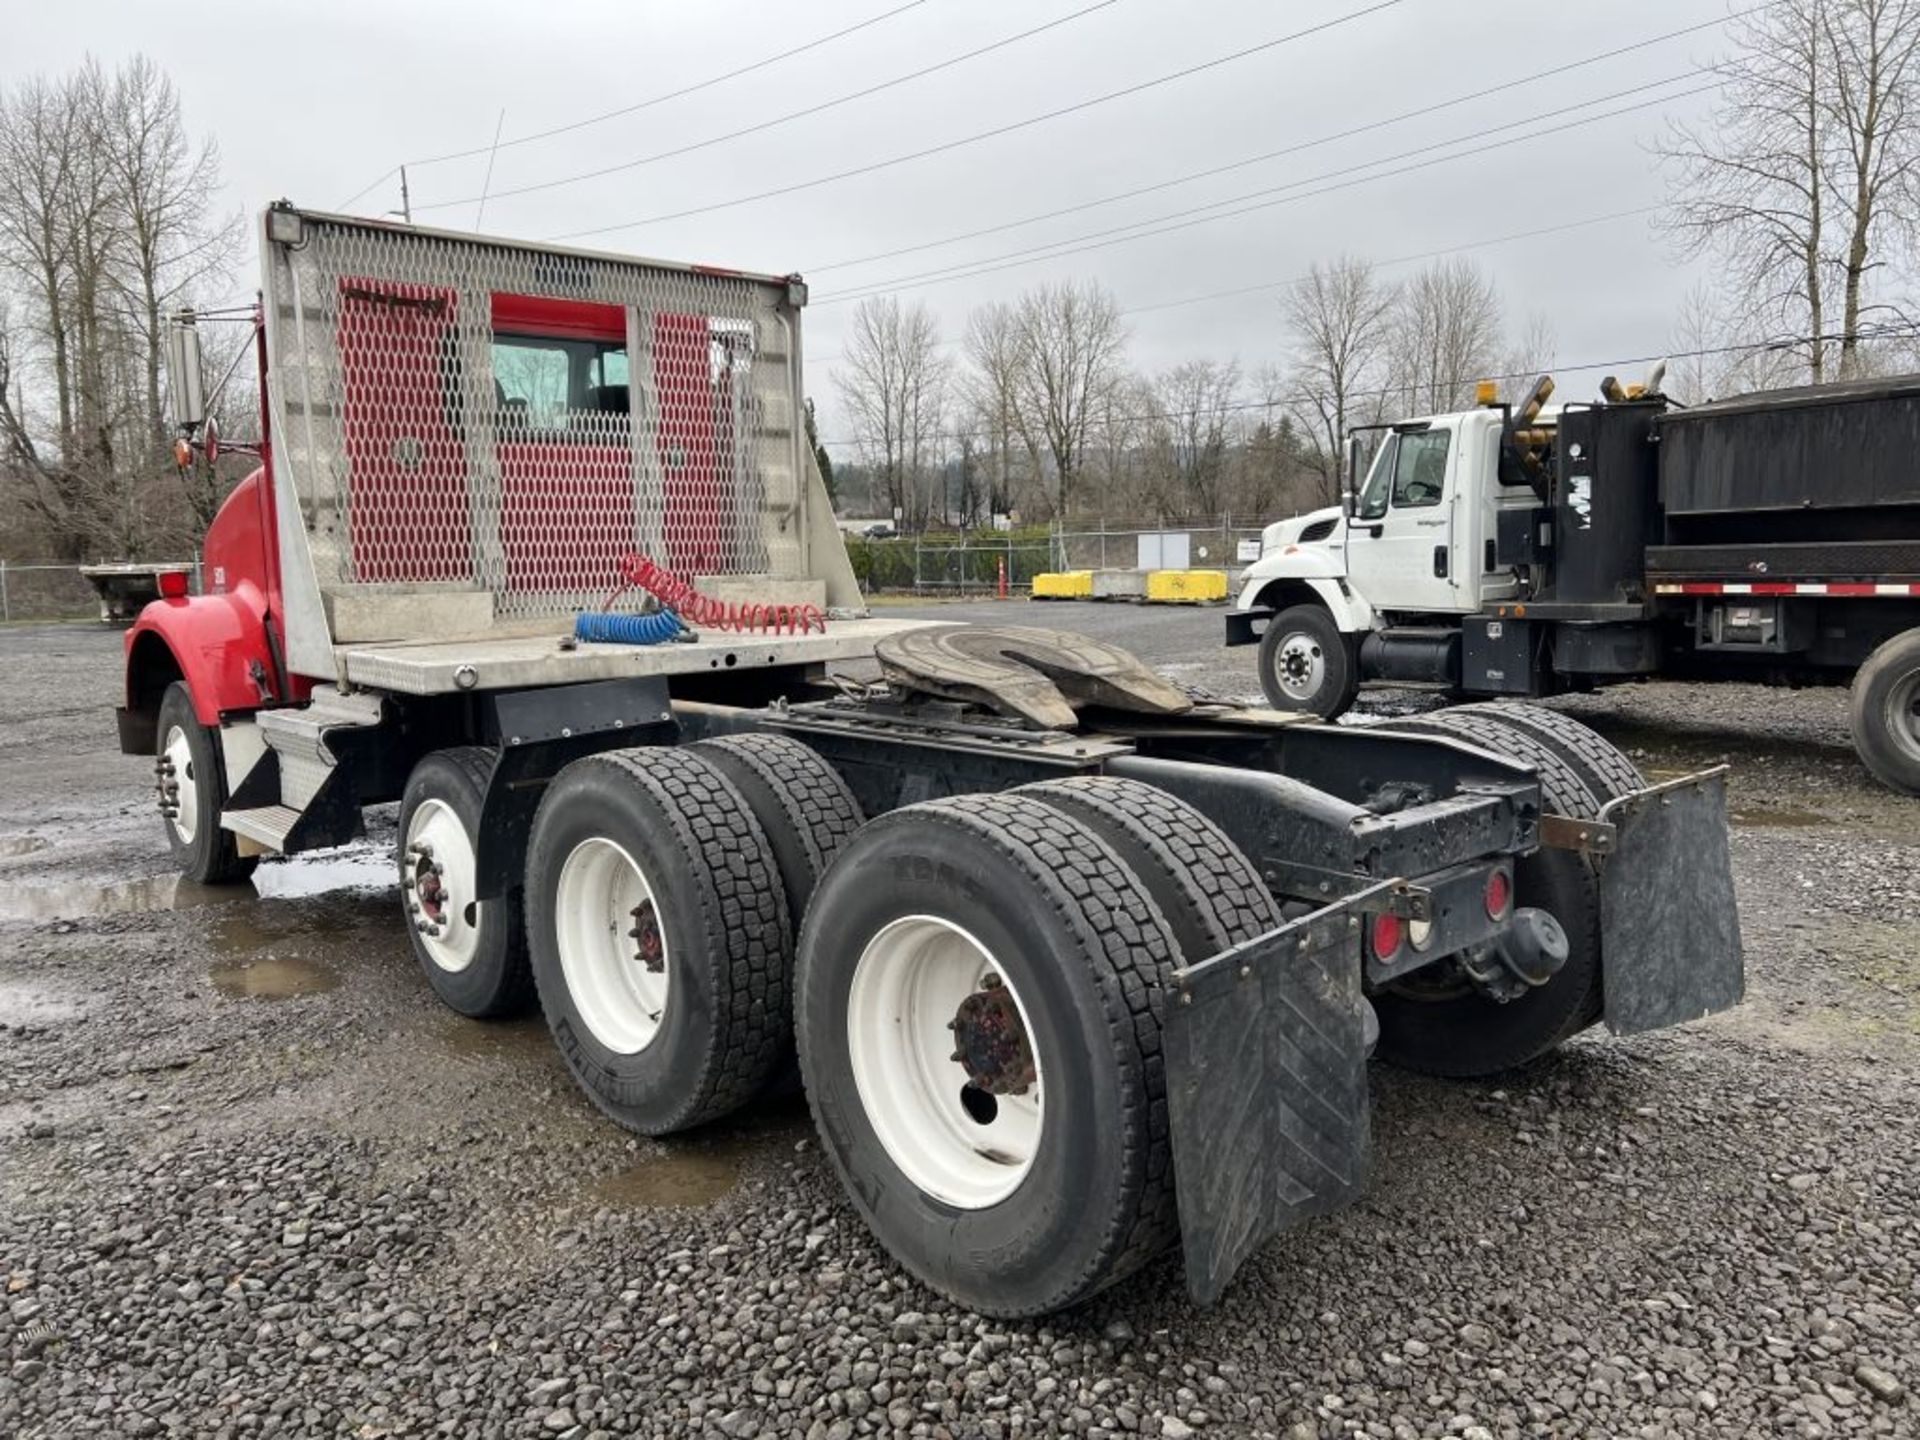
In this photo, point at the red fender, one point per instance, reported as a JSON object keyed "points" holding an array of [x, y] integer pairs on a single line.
{"points": [[217, 642], [213, 642]]}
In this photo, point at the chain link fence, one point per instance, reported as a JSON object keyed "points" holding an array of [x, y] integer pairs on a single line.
{"points": [[974, 562]]}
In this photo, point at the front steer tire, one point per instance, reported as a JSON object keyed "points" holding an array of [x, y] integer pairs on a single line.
{"points": [[473, 952], [682, 1022], [1306, 664], [1454, 1030], [204, 852], [1067, 930]]}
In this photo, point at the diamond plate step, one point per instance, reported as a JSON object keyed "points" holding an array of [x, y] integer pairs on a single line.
{"points": [[269, 825], [299, 738]]}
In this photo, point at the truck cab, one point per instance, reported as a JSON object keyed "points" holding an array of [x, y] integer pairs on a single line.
{"points": [[1412, 548]]}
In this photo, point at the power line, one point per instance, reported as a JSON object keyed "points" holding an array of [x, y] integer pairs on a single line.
{"points": [[793, 115], [998, 130], [1786, 342], [1180, 219], [1530, 78], [1239, 290], [644, 104]]}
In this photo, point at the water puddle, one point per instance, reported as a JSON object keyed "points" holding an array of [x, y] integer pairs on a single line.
{"points": [[14, 846], [688, 1176], [300, 877], [1757, 817], [24, 1008], [272, 978]]}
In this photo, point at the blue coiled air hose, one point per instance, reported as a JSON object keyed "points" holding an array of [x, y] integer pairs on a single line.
{"points": [[603, 628]]}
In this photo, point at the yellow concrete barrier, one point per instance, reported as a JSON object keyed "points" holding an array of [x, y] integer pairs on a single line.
{"points": [[1190, 587], [1064, 585]]}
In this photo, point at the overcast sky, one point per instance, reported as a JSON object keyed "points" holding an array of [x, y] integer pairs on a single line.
{"points": [[318, 101]]}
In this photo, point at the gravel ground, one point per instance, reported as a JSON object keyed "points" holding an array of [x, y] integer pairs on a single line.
{"points": [[253, 1181]]}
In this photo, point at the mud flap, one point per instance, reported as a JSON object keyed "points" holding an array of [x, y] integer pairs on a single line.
{"points": [[1669, 933], [1266, 1052]]}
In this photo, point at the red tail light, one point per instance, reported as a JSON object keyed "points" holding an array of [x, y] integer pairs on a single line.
{"points": [[1388, 933], [173, 584], [1499, 894]]}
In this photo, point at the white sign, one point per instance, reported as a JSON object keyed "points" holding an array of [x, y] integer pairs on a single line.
{"points": [[1249, 552]]}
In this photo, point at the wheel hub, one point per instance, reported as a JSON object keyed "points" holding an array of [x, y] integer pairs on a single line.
{"points": [[430, 898], [1301, 666], [650, 947], [990, 1041]]}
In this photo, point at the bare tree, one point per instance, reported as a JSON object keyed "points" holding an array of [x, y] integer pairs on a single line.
{"points": [[1874, 70], [992, 388], [165, 190], [102, 227], [1072, 347], [1196, 401], [1807, 169], [1445, 334], [1338, 317], [893, 382]]}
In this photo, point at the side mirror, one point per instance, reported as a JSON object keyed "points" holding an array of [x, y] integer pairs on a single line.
{"points": [[1350, 496], [186, 382]]}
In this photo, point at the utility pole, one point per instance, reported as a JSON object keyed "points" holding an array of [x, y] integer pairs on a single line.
{"points": [[406, 201]]}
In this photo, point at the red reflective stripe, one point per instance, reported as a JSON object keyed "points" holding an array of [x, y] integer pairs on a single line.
{"points": [[1850, 588]]}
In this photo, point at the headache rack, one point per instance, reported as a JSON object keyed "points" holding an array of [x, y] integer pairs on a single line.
{"points": [[470, 435]]}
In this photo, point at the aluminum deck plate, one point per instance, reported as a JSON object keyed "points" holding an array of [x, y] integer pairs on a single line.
{"points": [[510, 663]]}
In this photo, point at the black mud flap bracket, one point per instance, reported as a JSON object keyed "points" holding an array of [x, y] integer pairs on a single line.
{"points": [[1266, 1048], [1669, 931]]}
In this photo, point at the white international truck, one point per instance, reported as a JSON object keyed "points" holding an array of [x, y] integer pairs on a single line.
{"points": [[1076, 968], [1503, 552]]}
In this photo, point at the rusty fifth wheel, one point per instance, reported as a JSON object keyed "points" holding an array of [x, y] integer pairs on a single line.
{"points": [[659, 936], [974, 1003], [472, 951]]}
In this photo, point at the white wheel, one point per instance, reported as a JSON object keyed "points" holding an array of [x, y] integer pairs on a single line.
{"points": [[180, 786], [1303, 666], [438, 872], [612, 944], [942, 1056]]}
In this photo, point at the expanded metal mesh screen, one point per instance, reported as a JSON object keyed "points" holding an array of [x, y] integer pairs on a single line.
{"points": [[452, 413]]}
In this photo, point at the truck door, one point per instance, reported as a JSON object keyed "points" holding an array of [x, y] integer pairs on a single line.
{"points": [[1400, 545]]}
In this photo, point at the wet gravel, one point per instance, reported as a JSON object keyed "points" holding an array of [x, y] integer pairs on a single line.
{"points": [[253, 1181]]}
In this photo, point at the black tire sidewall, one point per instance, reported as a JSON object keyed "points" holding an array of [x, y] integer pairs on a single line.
{"points": [[1338, 683], [1036, 1243], [651, 1091], [210, 857], [494, 982], [1879, 751]]}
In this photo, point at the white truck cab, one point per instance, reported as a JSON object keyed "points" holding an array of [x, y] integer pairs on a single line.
{"points": [[1412, 546]]}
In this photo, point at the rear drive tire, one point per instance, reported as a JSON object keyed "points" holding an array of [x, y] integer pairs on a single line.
{"points": [[801, 802], [1607, 771], [1038, 1171], [1203, 883], [1306, 664], [1884, 707], [191, 781], [681, 1022], [1434, 1021], [473, 951], [808, 813]]}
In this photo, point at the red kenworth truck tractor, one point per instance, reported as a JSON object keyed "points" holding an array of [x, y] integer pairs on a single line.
{"points": [[1075, 968]]}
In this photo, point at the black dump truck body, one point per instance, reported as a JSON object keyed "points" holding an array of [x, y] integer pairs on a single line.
{"points": [[1774, 537]]}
